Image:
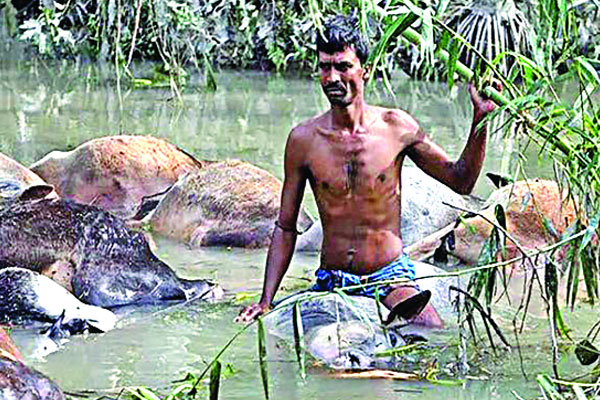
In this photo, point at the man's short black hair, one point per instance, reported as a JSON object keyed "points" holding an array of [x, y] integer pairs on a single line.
{"points": [[340, 32]]}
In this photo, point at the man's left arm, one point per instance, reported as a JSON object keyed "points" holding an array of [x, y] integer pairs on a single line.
{"points": [[462, 174]]}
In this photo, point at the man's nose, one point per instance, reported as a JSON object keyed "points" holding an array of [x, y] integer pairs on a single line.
{"points": [[332, 75]]}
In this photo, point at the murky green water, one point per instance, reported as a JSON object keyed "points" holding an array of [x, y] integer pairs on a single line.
{"points": [[45, 108]]}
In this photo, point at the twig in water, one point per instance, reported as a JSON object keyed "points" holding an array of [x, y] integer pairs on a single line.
{"points": [[519, 349], [483, 313]]}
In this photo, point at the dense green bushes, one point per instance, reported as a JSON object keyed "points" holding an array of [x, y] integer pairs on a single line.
{"points": [[268, 35], [237, 33]]}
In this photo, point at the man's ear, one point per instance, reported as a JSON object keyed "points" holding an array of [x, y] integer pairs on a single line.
{"points": [[366, 73]]}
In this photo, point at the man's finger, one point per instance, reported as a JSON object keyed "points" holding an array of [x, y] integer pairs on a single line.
{"points": [[471, 88], [475, 95]]}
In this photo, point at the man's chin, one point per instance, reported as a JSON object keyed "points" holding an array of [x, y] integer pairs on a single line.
{"points": [[339, 102]]}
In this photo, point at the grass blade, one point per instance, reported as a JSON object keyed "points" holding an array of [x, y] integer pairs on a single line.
{"points": [[215, 380], [299, 339], [262, 356]]}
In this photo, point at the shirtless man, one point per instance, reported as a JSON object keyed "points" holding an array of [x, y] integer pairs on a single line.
{"points": [[352, 155]]}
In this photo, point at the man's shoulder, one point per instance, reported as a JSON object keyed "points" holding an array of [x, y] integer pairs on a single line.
{"points": [[397, 118], [305, 129], [312, 123]]}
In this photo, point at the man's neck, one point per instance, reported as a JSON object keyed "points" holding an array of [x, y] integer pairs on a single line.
{"points": [[350, 118]]}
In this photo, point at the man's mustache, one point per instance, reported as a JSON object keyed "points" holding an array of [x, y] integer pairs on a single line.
{"points": [[334, 86]]}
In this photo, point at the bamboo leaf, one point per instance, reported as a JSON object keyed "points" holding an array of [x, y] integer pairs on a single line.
{"points": [[419, 12], [586, 352], [441, 7], [589, 232], [453, 52], [550, 280], [589, 275], [443, 42], [399, 350], [299, 339], [143, 393], [525, 201], [500, 216], [549, 226], [262, 356], [587, 70], [562, 327], [215, 380], [573, 276], [548, 388], [395, 29], [177, 393], [579, 392]]}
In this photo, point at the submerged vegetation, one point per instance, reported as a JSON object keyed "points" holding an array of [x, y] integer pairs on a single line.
{"points": [[535, 49]]}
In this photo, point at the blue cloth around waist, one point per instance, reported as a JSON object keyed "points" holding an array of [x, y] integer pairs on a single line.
{"points": [[402, 267]]}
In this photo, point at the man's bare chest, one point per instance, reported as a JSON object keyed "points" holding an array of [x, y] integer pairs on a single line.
{"points": [[355, 165]]}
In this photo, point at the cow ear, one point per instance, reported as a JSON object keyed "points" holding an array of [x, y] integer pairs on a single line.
{"points": [[499, 180], [36, 192]]}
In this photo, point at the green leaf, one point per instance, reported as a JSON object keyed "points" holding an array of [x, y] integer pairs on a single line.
{"points": [[143, 393], [579, 392], [299, 339], [229, 371], [550, 280], [589, 232], [590, 274], [395, 29], [262, 356], [399, 350], [561, 325], [572, 278], [500, 216], [453, 57], [586, 352], [549, 226], [587, 70], [547, 387], [215, 379], [443, 42], [175, 393]]}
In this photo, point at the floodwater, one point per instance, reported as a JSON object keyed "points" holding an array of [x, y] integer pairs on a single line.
{"points": [[48, 107]]}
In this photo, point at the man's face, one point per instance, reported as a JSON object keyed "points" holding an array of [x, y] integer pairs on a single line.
{"points": [[341, 76]]}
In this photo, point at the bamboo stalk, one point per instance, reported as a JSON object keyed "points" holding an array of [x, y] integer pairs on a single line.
{"points": [[465, 72]]}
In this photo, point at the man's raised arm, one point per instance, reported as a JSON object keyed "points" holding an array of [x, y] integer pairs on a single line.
{"points": [[284, 235], [462, 174]]}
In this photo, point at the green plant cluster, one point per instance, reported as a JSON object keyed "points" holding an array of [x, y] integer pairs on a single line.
{"points": [[234, 34], [279, 35]]}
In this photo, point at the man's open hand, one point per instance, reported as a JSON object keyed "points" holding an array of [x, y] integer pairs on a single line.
{"points": [[251, 312]]}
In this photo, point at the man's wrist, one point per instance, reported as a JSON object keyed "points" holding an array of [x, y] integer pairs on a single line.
{"points": [[287, 229], [479, 115], [265, 302]]}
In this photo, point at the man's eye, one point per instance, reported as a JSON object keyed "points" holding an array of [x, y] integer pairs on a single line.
{"points": [[324, 66], [342, 67]]}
